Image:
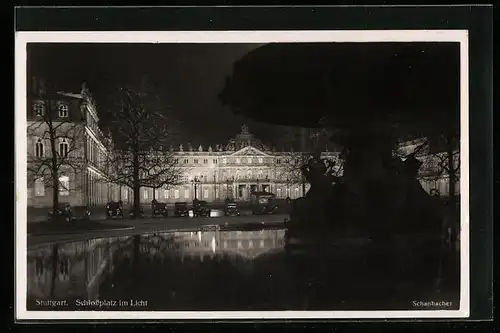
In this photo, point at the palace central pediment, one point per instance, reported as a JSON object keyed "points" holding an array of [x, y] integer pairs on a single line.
{"points": [[250, 151]]}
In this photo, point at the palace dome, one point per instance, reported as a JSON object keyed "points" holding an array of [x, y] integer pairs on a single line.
{"points": [[245, 139]]}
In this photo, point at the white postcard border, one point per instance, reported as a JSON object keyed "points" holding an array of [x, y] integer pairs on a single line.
{"points": [[21, 40]]}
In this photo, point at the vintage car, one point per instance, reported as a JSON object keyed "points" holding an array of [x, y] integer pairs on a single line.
{"points": [[160, 209], [263, 203], [66, 213], [114, 209], [200, 208], [181, 209], [231, 209]]}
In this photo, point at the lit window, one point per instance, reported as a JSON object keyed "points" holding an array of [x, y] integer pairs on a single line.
{"points": [[261, 160], [63, 148], [176, 194], [224, 160], [238, 161], [39, 187], [165, 194], [64, 185], [278, 192], [186, 193], [63, 110], [249, 160], [39, 151], [39, 109], [205, 193], [145, 194]]}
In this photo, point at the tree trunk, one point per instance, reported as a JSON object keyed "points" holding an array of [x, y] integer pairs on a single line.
{"points": [[137, 187], [54, 173], [154, 193]]}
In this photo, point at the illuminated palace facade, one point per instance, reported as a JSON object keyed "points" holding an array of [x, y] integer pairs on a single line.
{"points": [[242, 166], [245, 165]]}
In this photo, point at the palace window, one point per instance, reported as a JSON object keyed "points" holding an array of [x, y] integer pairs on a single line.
{"points": [[64, 185], [176, 161], [39, 151], [63, 110], [186, 193], [238, 160], [224, 160], [176, 194], [278, 193], [249, 174], [145, 194], [165, 194], [278, 161], [63, 147], [249, 160], [205, 161], [286, 160], [215, 161], [205, 193], [195, 161], [39, 108], [261, 160], [39, 187], [186, 161]]}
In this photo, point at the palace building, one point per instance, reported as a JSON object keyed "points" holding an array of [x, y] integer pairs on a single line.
{"points": [[245, 165], [234, 170], [69, 127]]}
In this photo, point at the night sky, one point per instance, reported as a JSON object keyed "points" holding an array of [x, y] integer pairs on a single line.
{"points": [[371, 79], [189, 78]]}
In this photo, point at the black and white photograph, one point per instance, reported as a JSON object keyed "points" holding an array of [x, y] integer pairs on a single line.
{"points": [[242, 175]]}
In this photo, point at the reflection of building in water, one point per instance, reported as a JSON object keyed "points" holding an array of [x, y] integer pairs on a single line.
{"points": [[214, 244], [79, 268]]}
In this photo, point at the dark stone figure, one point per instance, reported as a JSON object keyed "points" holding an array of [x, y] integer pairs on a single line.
{"points": [[377, 195]]}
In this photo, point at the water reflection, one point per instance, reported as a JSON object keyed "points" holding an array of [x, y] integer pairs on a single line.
{"points": [[246, 270]]}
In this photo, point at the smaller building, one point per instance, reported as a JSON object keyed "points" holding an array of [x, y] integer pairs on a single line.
{"points": [[67, 125]]}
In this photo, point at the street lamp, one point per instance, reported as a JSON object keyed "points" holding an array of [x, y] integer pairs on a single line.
{"points": [[215, 182], [195, 183], [228, 181]]}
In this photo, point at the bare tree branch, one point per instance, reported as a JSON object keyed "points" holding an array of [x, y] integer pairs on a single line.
{"points": [[54, 146], [143, 134]]}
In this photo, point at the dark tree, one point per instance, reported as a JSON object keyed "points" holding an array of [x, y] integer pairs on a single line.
{"points": [[143, 133]]}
